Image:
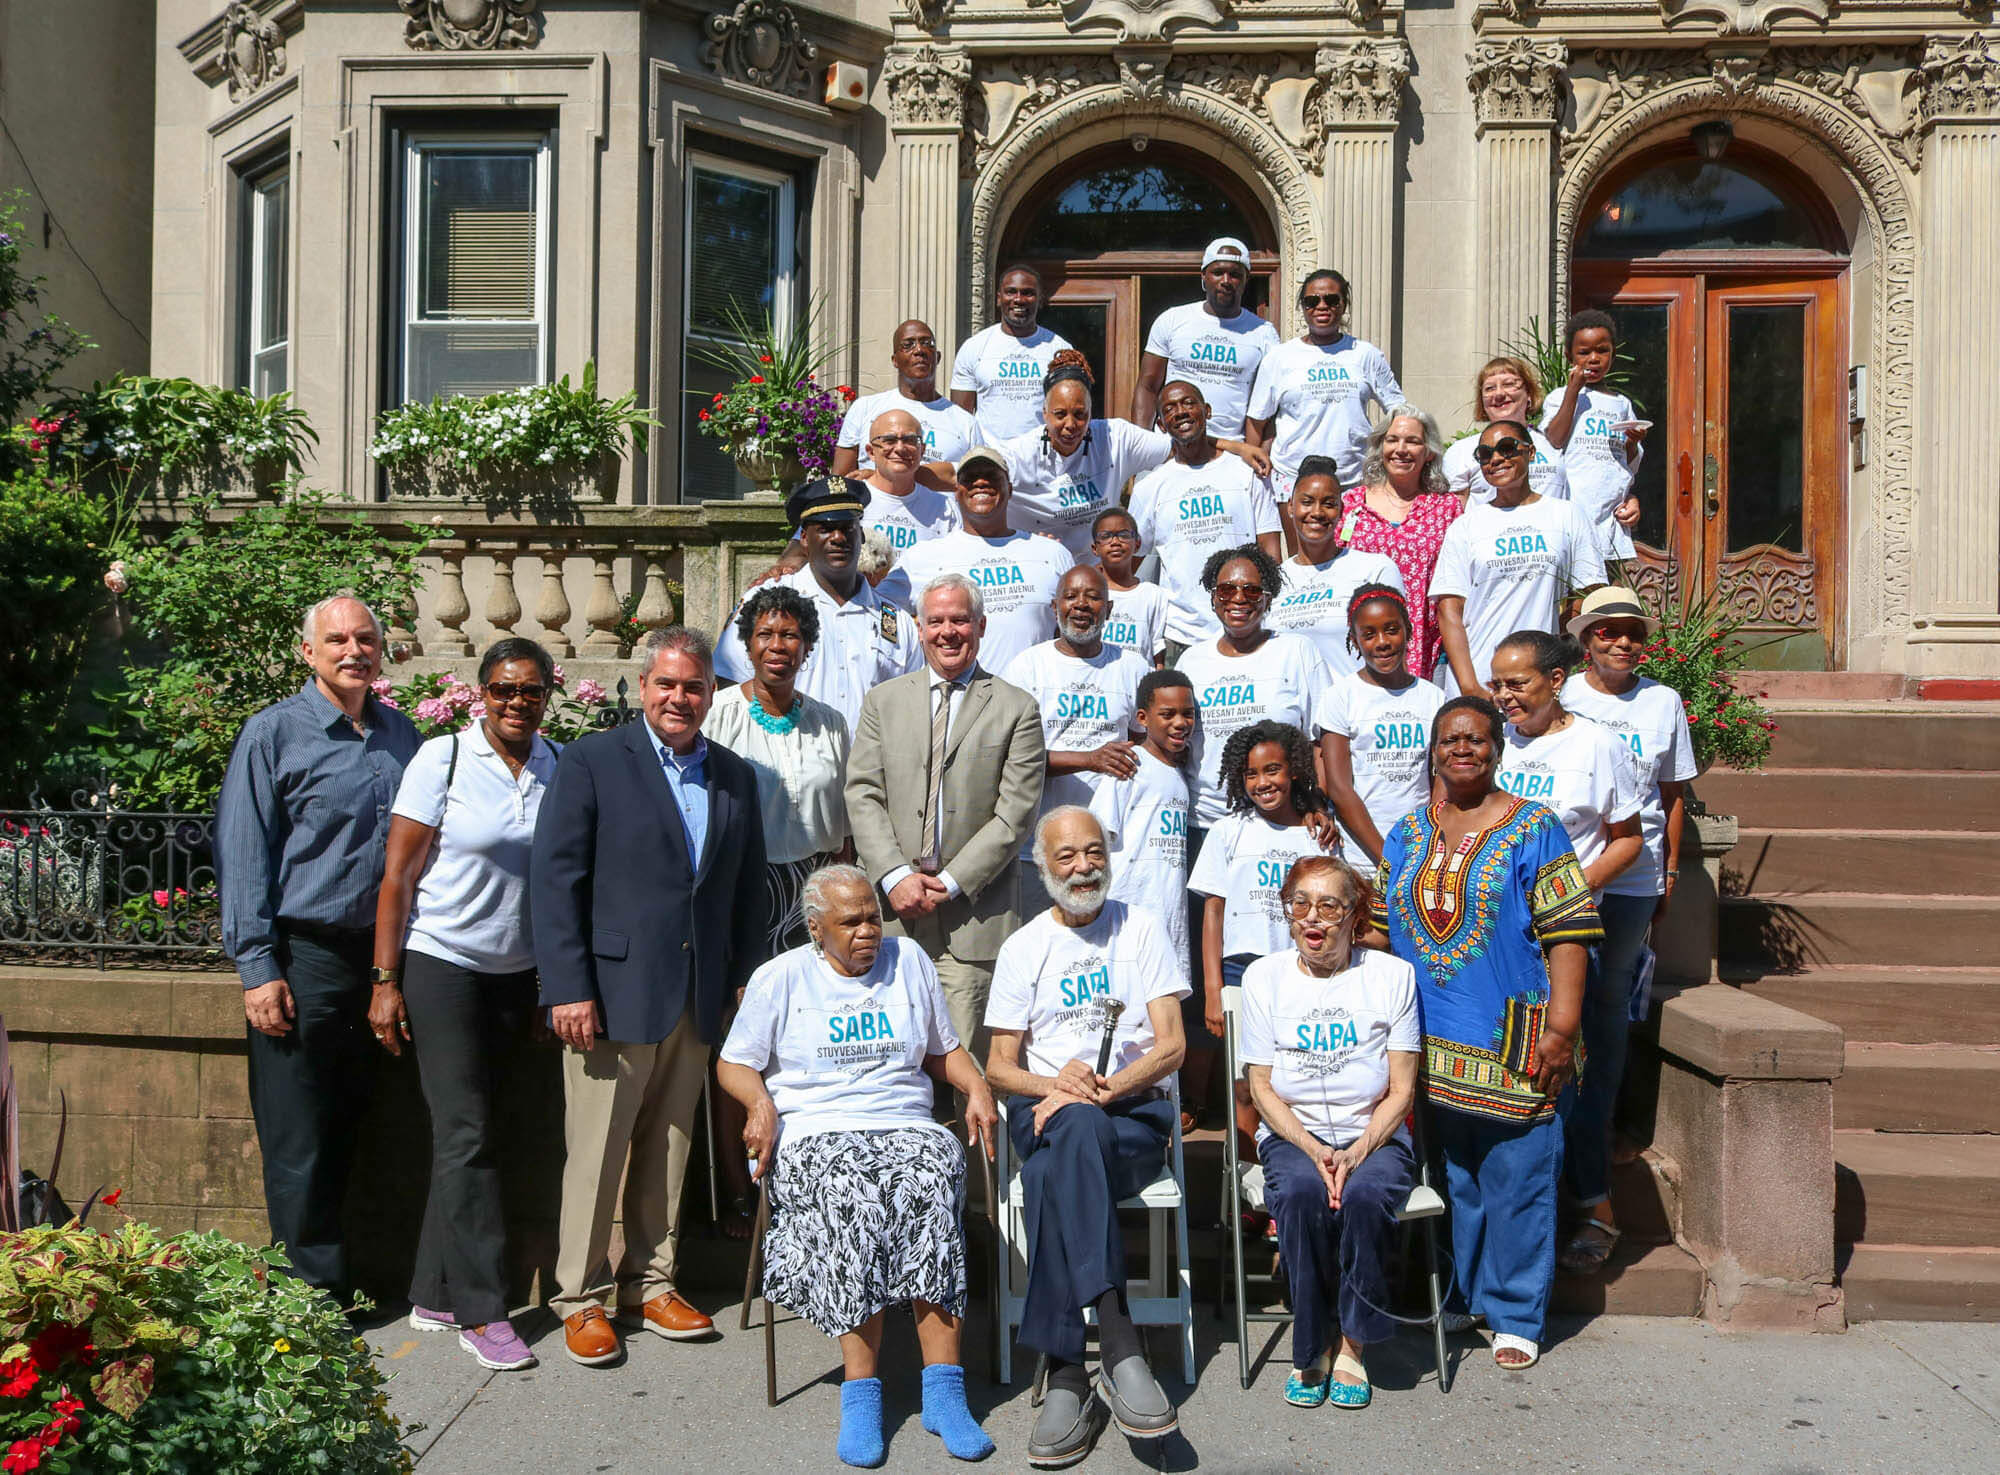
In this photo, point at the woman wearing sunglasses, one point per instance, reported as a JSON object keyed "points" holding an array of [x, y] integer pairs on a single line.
{"points": [[1506, 388], [455, 980], [1507, 565], [1402, 509]]}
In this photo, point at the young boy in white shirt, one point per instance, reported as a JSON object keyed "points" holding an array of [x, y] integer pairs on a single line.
{"points": [[1598, 434]]}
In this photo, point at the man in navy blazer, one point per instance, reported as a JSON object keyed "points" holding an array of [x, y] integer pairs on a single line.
{"points": [[647, 897]]}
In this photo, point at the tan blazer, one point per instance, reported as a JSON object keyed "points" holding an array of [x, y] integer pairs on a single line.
{"points": [[994, 762]]}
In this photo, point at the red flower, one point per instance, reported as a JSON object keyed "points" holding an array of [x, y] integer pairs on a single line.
{"points": [[847, 391], [112, 1197], [756, 378], [59, 1342], [22, 1455], [17, 1378], [704, 414], [764, 359]]}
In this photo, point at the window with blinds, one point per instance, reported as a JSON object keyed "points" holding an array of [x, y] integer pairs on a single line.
{"points": [[476, 221]]}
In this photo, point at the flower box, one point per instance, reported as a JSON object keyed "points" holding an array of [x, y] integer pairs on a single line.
{"points": [[556, 488]]}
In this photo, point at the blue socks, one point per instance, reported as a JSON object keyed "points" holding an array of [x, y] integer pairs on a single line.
{"points": [[861, 1422], [946, 1415]]}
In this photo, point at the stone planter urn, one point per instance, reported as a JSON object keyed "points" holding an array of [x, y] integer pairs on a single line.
{"points": [[1687, 941], [773, 476], [224, 477]]}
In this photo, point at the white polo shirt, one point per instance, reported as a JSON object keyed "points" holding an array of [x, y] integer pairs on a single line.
{"points": [[862, 643]]}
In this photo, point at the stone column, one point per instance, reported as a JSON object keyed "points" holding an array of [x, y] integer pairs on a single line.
{"points": [[1361, 93], [927, 86], [1960, 335], [1517, 88]]}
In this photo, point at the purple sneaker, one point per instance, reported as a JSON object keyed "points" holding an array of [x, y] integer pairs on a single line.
{"points": [[496, 1346], [425, 1320]]}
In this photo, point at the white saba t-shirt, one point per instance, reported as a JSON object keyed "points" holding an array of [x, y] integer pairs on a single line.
{"points": [[1651, 721], [1006, 373], [1185, 513], [908, 520], [1545, 472], [1319, 394], [948, 431], [1049, 978], [1017, 577], [1314, 602], [1594, 460], [1062, 495], [1584, 773], [1513, 567], [1327, 1040], [1388, 745], [1244, 861], [1279, 679], [1138, 620], [1145, 819], [1219, 358], [844, 1054], [1085, 704]]}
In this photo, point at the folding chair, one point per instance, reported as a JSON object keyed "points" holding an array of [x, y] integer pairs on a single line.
{"points": [[1165, 1202]]}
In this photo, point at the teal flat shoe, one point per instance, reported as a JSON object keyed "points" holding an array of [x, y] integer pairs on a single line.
{"points": [[1302, 1394], [1349, 1395]]}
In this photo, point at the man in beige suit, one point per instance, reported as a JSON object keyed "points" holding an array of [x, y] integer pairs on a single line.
{"points": [[943, 781]]}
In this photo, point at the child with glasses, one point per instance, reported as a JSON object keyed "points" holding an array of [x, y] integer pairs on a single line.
{"points": [[1138, 618]]}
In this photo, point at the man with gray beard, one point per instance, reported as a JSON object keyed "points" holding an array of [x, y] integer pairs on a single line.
{"points": [[1087, 692], [1089, 1118]]}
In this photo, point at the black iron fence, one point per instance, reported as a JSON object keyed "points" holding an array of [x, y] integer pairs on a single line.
{"points": [[95, 883]]}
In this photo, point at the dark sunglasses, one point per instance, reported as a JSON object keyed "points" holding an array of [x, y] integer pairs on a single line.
{"points": [[1506, 447], [1239, 591], [517, 691], [1322, 299]]}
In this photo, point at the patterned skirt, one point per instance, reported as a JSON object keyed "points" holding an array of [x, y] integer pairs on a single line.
{"points": [[783, 881], [861, 1221]]}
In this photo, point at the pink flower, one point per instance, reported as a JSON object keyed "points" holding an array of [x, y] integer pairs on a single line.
{"points": [[381, 687], [159, 898], [560, 681], [115, 578], [589, 692], [460, 696], [435, 711], [477, 711]]}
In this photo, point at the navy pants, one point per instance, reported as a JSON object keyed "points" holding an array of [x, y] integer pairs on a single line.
{"points": [[1607, 1022], [1336, 1260], [308, 1090], [1503, 1181], [1072, 1177]]}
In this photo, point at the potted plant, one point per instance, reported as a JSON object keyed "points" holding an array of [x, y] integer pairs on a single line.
{"points": [[1696, 650], [779, 422], [543, 447], [183, 439]]}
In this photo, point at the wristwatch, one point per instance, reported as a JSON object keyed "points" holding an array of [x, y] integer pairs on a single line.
{"points": [[387, 975]]}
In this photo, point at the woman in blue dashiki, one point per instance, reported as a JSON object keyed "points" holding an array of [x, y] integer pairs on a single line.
{"points": [[1481, 893]]}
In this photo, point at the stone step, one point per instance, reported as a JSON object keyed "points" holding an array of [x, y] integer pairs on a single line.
{"points": [[1639, 1280], [1783, 934], [1919, 1088], [1910, 1188], [1913, 737], [1920, 1283], [1851, 798], [1912, 1006], [1774, 862]]}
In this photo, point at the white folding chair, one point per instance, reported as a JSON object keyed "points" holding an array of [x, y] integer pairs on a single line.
{"points": [[1154, 1301]]}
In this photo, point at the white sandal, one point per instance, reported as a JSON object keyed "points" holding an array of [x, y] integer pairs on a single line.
{"points": [[1508, 1342]]}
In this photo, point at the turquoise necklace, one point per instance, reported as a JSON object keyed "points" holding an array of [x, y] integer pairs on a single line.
{"points": [[782, 726]]}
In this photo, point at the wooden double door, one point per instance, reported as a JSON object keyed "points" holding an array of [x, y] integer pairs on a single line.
{"points": [[1742, 372]]}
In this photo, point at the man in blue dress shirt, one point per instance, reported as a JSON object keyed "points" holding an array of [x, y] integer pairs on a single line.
{"points": [[299, 842]]}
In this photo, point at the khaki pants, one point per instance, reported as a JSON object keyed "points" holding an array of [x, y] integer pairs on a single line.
{"points": [[966, 985], [625, 1098]]}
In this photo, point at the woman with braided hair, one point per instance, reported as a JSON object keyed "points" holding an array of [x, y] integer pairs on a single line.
{"points": [[1076, 465]]}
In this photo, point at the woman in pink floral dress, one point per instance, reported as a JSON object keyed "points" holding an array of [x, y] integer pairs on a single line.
{"points": [[1401, 509]]}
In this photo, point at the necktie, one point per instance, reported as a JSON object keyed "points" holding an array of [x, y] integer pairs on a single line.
{"points": [[934, 777]]}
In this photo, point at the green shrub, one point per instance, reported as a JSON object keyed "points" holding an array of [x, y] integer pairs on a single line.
{"points": [[540, 425], [52, 561], [34, 346], [167, 424]]}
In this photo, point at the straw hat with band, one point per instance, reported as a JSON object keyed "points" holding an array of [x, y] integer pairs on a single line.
{"points": [[1609, 602]]}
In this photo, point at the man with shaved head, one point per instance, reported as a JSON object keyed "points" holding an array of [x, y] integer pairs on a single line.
{"points": [[904, 510], [948, 431], [300, 840]]}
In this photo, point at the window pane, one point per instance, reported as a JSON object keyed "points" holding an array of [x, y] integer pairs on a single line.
{"points": [[450, 358], [734, 253], [707, 471], [273, 268], [1135, 207], [477, 254], [1692, 204], [1767, 426], [268, 371], [1642, 336]]}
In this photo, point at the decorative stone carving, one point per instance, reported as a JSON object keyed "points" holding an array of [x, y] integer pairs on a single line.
{"points": [[253, 50], [1961, 79], [470, 25], [1360, 83], [761, 44], [1519, 80], [1517, 11], [1770, 586], [1142, 71], [1743, 17], [927, 86], [1141, 20], [926, 15]]}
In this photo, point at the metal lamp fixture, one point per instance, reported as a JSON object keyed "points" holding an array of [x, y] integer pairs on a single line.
{"points": [[1712, 138]]}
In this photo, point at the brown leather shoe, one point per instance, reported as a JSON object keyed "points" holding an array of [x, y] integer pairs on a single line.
{"points": [[589, 1337], [668, 1315]]}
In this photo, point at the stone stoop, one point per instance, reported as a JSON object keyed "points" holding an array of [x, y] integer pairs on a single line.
{"points": [[1864, 890]]}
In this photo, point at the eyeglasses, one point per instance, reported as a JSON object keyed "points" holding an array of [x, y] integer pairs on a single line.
{"points": [[1304, 907], [1116, 535], [1239, 591], [898, 440], [1505, 448], [1322, 299], [911, 343], [517, 691]]}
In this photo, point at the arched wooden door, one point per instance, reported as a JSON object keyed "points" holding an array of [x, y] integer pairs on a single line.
{"points": [[1117, 235], [1727, 278]]}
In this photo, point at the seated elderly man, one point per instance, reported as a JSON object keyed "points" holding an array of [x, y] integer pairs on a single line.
{"points": [[831, 1056], [1330, 1041], [1086, 1027]]}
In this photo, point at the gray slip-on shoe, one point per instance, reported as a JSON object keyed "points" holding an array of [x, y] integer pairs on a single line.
{"points": [[1136, 1399], [1067, 1429]]}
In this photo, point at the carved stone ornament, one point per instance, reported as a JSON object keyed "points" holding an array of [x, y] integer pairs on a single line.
{"points": [[1744, 17], [470, 25], [1140, 20], [253, 51], [927, 15], [1360, 83], [1517, 11], [1961, 79], [927, 86], [1519, 80], [761, 44]]}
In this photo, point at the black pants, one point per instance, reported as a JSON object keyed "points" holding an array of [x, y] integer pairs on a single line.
{"points": [[469, 1030], [308, 1090]]}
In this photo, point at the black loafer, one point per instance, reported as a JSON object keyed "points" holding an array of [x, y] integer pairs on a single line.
{"points": [[1067, 1429]]}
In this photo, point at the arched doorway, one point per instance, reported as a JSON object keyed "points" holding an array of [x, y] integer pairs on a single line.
{"points": [[1117, 235], [1727, 274]]}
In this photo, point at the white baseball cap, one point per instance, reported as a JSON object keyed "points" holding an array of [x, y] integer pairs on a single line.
{"points": [[1226, 248]]}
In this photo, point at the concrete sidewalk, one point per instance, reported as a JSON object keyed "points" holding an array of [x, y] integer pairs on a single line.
{"points": [[1616, 1393]]}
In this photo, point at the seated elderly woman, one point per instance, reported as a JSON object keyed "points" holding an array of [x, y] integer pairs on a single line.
{"points": [[1330, 1042], [1090, 1120], [832, 1055]]}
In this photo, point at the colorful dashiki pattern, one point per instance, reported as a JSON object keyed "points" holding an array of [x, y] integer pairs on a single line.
{"points": [[1473, 920]]}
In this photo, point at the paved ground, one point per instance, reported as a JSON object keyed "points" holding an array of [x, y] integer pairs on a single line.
{"points": [[1615, 1394]]}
